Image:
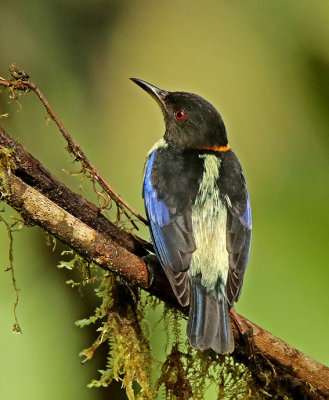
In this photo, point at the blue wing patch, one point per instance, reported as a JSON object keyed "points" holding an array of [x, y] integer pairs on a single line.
{"points": [[171, 232], [158, 215], [172, 238], [157, 211]]}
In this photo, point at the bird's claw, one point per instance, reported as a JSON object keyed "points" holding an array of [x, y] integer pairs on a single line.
{"points": [[152, 264]]}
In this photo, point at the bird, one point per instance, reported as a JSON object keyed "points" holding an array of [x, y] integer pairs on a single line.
{"points": [[198, 208]]}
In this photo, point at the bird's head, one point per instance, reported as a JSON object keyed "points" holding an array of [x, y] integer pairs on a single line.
{"points": [[191, 121]]}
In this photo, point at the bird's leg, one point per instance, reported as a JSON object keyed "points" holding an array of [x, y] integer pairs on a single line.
{"points": [[153, 265], [244, 329], [241, 324], [158, 281]]}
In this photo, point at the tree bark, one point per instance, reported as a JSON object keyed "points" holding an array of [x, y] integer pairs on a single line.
{"points": [[43, 200]]}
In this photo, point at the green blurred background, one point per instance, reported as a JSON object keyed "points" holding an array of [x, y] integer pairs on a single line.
{"points": [[264, 65]]}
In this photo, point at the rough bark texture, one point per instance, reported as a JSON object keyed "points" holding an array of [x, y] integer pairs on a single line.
{"points": [[86, 241], [306, 378], [42, 200]]}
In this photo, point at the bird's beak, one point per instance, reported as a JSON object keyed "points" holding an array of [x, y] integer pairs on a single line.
{"points": [[158, 95]]}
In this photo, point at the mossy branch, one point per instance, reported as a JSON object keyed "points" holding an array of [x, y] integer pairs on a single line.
{"points": [[43, 200], [253, 344]]}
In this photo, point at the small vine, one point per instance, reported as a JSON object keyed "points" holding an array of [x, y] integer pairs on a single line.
{"points": [[20, 83], [11, 228]]}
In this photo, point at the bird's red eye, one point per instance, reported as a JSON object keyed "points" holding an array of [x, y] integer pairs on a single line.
{"points": [[180, 115]]}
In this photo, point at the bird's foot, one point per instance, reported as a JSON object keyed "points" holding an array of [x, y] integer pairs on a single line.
{"points": [[153, 265], [242, 325], [244, 329]]}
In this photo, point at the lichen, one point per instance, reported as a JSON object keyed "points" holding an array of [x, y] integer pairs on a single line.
{"points": [[5, 165], [76, 261]]}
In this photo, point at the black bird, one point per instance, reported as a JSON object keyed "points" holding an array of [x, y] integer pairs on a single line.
{"points": [[199, 212]]}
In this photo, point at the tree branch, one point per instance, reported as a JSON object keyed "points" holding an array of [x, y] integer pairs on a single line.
{"points": [[90, 244], [43, 200]]}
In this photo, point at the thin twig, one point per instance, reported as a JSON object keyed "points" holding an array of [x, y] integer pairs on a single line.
{"points": [[30, 170], [16, 327], [21, 81]]}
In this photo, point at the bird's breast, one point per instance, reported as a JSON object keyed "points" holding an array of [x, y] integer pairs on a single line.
{"points": [[209, 215]]}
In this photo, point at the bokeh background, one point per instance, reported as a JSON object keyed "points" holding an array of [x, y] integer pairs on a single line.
{"points": [[264, 65]]}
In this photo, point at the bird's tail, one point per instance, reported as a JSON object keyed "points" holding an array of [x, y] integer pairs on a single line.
{"points": [[209, 324]]}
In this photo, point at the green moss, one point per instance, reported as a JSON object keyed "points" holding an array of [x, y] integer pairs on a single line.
{"points": [[189, 374], [185, 373], [119, 318]]}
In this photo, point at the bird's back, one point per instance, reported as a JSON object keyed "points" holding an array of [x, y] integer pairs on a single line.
{"points": [[199, 211]]}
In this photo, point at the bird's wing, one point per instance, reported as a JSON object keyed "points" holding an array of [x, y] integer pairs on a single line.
{"points": [[172, 236], [238, 236], [238, 226]]}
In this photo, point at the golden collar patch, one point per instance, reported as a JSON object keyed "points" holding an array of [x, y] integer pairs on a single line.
{"points": [[216, 148]]}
